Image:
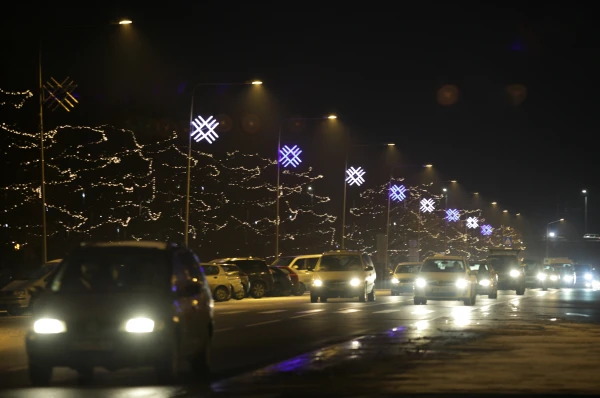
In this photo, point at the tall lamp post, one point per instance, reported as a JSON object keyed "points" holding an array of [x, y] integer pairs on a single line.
{"points": [[281, 157], [548, 233], [189, 156], [42, 149], [585, 216]]}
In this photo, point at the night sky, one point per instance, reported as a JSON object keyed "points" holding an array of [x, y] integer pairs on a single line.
{"points": [[519, 127]]}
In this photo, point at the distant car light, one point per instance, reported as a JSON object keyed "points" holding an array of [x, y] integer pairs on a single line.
{"points": [[395, 280], [355, 282], [541, 276], [515, 273], [461, 283], [588, 277], [420, 282], [553, 277], [317, 283], [568, 278], [49, 326], [484, 282], [139, 325]]}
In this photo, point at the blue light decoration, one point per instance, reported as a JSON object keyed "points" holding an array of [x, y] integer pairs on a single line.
{"points": [[427, 205], [398, 193], [452, 215], [486, 230], [354, 176], [472, 222], [290, 156], [204, 129]]}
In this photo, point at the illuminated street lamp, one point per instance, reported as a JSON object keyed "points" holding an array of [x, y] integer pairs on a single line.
{"points": [[550, 234], [585, 217], [125, 22]]}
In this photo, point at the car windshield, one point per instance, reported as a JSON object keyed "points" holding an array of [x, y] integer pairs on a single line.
{"points": [[503, 263], [283, 261], [100, 270], [38, 273], [479, 267], [284, 270], [341, 263], [407, 269], [443, 266]]}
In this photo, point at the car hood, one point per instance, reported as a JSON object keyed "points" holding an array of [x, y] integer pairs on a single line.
{"points": [[114, 306], [405, 276], [20, 284], [441, 276]]}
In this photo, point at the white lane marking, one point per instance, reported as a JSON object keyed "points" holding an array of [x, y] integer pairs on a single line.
{"points": [[229, 312], [386, 311], [308, 311], [272, 311], [223, 330], [262, 323], [346, 311], [575, 314]]}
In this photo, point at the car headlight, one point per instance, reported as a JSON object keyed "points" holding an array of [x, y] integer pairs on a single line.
{"points": [[588, 277], [461, 283], [484, 282], [139, 325], [395, 280], [541, 276], [317, 283], [515, 273], [420, 282], [553, 277], [568, 278], [49, 326], [354, 282]]}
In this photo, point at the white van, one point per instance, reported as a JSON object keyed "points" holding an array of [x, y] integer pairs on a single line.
{"points": [[301, 265], [16, 296]]}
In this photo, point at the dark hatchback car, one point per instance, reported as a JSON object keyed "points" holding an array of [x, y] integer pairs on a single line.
{"points": [[283, 282], [119, 305], [259, 274]]}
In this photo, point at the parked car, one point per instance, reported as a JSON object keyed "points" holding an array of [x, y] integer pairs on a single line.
{"points": [[445, 278], [343, 273], [259, 274], [487, 278], [16, 297], [283, 282], [223, 284], [120, 305], [403, 278], [303, 265], [298, 288]]}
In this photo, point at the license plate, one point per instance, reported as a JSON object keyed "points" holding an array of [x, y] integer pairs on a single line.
{"points": [[92, 346]]}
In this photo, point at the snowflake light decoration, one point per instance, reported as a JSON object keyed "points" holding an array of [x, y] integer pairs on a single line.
{"points": [[398, 193], [204, 129], [452, 215], [290, 156], [427, 205], [472, 222], [486, 230], [354, 176]]}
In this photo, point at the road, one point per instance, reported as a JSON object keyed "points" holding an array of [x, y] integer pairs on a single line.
{"points": [[251, 334]]}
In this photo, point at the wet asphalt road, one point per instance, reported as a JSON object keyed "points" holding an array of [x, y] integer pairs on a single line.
{"points": [[251, 334]]}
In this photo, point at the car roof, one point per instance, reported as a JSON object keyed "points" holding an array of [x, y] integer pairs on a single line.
{"points": [[334, 252], [409, 263], [305, 256], [228, 259], [142, 244], [444, 257]]}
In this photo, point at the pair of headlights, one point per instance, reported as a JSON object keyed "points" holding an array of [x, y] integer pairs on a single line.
{"points": [[55, 326], [353, 282], [460, 283]]}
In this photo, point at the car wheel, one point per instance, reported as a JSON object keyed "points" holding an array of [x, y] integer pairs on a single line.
{"points": [[416, 301], [544, 289], [314, 298], [299, 290], [200, 364], [520, 291], [323, 299], [470, 301], [394, 293], [85, 376], [258, 290], [363, 295], [40, 374], [221, 294], [239, 295], [167, 370], [371, 296]]}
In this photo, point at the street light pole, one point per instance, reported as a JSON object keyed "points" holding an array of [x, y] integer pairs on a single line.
{"points": [[278, 194], [548, 234], [344, 205], [189, 156], [42, 158], [585, 219]]}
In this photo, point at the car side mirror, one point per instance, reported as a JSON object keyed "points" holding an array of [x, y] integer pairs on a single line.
{"points": [[189, 290], [369, 268]]}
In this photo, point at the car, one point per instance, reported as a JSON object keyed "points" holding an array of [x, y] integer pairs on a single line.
{"points": [[223, 282], [549, 278], [121, 305], [511, 273], [487, 278], [18, 295], [403, 278], [302, 265], [585, 275], [445, 278], [259, 274], [343, 273], [298, 288], [283, 282], [592, 237]]}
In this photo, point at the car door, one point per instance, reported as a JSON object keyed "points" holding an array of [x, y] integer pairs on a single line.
{"points": [[214, 276], [194, 301], [300, 266]]}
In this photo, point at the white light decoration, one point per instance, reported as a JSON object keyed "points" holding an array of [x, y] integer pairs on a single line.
{"points": [[427, 205], [486, 230], [354, 176], [398, 193], [204, 129], [452, 215], [472, 222], [290, 156]]}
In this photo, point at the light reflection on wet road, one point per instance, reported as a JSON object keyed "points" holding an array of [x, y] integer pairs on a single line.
{"points": [[295, 334]]}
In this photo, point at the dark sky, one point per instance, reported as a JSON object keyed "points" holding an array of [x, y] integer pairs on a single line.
{"points": [[377, 66]]}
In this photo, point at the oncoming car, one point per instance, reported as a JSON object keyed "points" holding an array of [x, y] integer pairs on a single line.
{"points": [[445, 278], [404, 278], [343, 274], [121, 305]]}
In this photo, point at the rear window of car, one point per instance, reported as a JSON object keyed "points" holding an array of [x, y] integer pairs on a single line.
{"points": [[211, 269], [249, 266], [443, 266]]}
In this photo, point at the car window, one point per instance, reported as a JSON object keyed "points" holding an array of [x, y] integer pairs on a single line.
{"points": [[284, 270], [99, 270], [252, 266], [367, 261], [341, 263], [479, 267], [311, 263], [284, 261], [443, 266], [407, 269], [230, 268], [503, 263], [210, 270]]}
